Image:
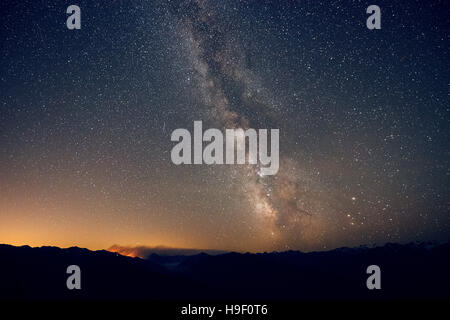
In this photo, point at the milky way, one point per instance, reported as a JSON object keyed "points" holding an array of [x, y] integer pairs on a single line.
{"points": [[292, 207]]}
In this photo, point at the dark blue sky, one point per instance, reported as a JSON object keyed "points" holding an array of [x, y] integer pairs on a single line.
{"points": [[86, 117]]}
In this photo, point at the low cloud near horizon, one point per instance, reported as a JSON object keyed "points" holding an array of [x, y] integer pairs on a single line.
{"points": [[145, 251]]}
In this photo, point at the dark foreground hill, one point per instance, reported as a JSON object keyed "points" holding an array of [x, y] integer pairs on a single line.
{"points": [[407, 272]]}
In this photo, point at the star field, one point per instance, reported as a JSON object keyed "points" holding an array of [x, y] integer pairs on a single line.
{"points": [[86, 117]]}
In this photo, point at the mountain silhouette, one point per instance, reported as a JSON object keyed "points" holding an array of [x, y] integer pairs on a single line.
{"points": [[410, 271]]}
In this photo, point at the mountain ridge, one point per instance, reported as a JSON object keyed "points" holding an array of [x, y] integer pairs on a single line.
{"points": [[408, 271]]}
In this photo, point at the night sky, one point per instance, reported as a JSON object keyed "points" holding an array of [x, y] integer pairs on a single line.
{"points": [[86, 118]]}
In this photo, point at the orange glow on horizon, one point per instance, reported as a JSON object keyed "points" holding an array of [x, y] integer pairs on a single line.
{"points": [[128, 252]]}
